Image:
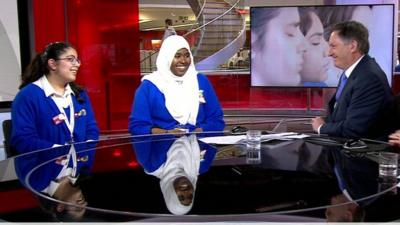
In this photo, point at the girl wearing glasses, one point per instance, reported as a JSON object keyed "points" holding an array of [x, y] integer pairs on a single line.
{"points": [[175, 98], [50, 109]]}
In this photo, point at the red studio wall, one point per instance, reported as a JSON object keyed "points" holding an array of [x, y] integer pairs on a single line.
{"points": [[48, 22], [106, 35], [108, 45]]}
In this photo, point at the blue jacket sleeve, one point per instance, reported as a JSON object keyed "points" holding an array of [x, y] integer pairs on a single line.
{"points": [[140, 121], [25, 137], [366, 101], [92, 130], [213, 115]]}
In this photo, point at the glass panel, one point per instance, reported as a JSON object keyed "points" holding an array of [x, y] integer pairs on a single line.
{"points": [[108, 44]]}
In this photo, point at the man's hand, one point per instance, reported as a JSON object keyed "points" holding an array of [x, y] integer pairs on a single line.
{"points": [[394, 139], [156, 130], [317, 122]]}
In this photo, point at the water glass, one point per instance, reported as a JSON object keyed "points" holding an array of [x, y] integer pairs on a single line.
{"points": [[389, 186], [253, 156], [388, 165], [253, 139]]}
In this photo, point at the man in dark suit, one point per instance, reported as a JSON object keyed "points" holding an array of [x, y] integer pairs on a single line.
{"points": [[361, 102]]}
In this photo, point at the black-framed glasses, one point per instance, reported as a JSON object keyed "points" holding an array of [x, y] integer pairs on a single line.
{"points": [[72, 60]]}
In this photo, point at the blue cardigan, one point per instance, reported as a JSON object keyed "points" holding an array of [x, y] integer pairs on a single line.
{"points": [[45, 166], [149, 110], [33, 126]]}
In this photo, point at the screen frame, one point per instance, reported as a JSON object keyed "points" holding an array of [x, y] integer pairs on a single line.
{"points": [[17, 44], [389, 74]]}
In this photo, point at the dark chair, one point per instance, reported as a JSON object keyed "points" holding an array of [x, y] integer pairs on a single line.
{"points": [[7, 128]]}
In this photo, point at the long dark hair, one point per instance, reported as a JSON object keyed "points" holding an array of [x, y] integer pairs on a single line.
{"points": [[261, 17], [38, 67], [305, 19]]}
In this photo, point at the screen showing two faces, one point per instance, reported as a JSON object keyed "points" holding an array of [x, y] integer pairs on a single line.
{"points": [[289, 45]]}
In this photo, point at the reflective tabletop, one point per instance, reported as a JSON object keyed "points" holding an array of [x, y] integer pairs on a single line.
{"points": [[161, 178]]}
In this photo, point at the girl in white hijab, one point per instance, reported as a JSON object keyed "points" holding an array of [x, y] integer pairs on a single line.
{"points": [[175, 98]]}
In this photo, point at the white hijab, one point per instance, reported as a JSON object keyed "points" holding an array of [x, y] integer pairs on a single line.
{"points": [[183, 159], [181, 93]]}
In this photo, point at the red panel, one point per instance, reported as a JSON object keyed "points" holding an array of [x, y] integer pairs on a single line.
{"points": [[48, 22], [235, 92], [274, 98], [232, 90], [83, 33], [396, 84], [114, 159], [105, 33], [17, 200]]}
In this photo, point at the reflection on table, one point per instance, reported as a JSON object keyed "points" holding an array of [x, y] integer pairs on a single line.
{"points": [[54, 175], [178, 178], [177, 163]]}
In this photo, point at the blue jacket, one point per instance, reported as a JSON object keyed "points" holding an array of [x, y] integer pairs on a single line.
{"points": [[33, 126], [363, 104], [149, 110], [44, 166]]}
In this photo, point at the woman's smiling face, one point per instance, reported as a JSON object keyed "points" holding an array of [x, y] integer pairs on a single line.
{"points": [[181, 62]]}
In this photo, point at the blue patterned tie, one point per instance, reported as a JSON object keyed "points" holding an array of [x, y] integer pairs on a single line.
{"points": [[339, 177], [343, 80]]}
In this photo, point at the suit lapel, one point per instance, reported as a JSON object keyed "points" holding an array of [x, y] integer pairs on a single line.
{"points": [[350, 82], [354, 74]]}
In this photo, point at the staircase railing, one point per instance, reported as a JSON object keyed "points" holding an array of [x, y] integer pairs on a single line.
{"points": [[209, 22], [186, 34], [214, 60], [201, 27], [197, 19]]}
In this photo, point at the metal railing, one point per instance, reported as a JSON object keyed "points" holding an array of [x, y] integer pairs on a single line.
{"points": [[200, 28], [190, 32]]}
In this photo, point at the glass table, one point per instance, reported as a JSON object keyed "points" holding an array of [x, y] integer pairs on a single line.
{"points": [[167, 178]]}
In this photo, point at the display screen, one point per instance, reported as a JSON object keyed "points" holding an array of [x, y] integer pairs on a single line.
{"points": [[289, 45], [10, 62]]}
